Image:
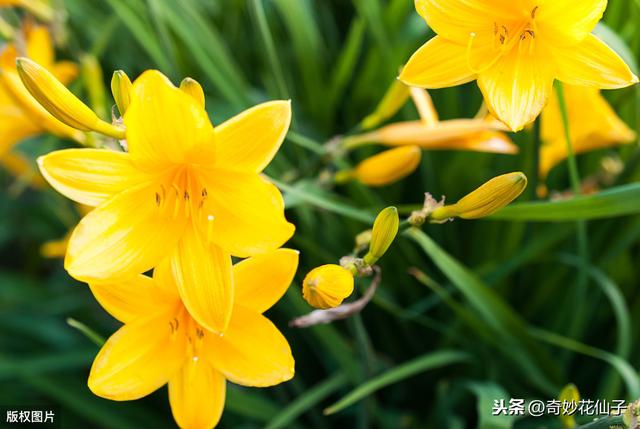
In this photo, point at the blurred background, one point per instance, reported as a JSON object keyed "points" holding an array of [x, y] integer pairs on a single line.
{"points": [[508, 320]]}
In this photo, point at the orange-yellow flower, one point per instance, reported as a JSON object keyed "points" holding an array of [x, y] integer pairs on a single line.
{"points": [[183, 189], [161, 343], [20, 115], [515, 49], [593, 125]]}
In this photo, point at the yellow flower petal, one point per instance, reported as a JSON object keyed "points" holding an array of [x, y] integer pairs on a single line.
{"points": [[593, 63], [197, 394], [517, 87], [252, 351], [89, 176], [123, 237], [166, 125], [457, 19], [131, 299], [249, 141], [437, 64], [139, 358], [248, 213], [568, 22], [203, 275], [262, 280]]}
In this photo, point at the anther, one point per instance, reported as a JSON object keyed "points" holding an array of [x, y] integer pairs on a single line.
{"points": [[534, 12], [158, 200]]}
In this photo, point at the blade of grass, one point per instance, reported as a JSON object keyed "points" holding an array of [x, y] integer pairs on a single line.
{"points": [[307, 192], [400, 372], [626, 371], [494, 311], [141, 30], [307, 401], [258, 15]]}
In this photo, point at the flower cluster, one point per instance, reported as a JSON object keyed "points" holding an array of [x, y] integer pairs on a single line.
{"points": [[180, 197]]}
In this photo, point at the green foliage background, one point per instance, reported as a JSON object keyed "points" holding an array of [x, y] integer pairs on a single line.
{"points": [[497, 311]]}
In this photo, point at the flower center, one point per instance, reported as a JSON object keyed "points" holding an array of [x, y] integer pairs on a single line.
{"points": [[505, 37], [182, 193]]}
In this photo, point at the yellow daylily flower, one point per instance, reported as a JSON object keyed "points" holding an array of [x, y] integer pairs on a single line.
{"points": [[183, 188], [161, 343], [21, 116], [327, 286], [593, 125], [515, 50]]}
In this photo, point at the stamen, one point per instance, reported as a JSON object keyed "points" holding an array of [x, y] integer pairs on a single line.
{"points": [[158, 200]]}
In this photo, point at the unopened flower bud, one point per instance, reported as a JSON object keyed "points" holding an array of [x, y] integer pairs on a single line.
{"points": [[193, 88], [327, 286], [486, 200], [121, 90], [386, 167], [60, 102], [385, 229]]}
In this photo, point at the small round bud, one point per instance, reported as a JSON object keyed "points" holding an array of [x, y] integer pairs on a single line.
{"points": [[327, 286]]}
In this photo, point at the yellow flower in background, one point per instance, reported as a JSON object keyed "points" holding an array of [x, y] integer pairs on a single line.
{"points": [[592, 122], [184, 189], [492, 196], [515, 50], [20, 115], [161, 343], [327, 286]]}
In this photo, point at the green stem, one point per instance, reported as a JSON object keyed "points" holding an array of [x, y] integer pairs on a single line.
{"points": [[579, 299]]}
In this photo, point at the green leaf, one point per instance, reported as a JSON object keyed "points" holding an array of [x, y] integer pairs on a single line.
{"points": [[618, 201], [403, 371]]}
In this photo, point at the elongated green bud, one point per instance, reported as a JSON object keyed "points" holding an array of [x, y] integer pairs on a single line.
{"points": [[121, 90], [385, 229]]}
